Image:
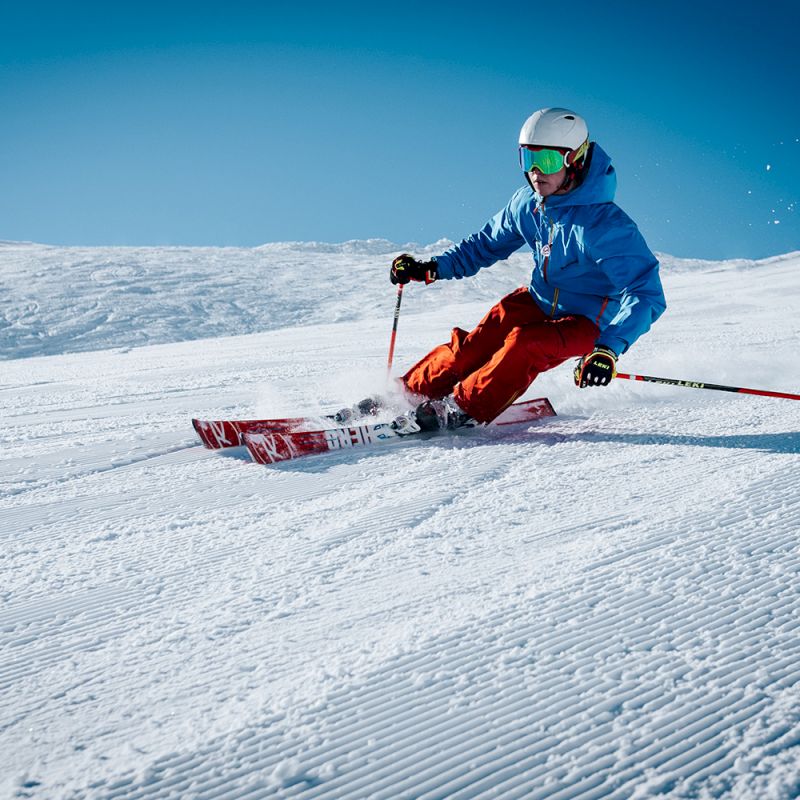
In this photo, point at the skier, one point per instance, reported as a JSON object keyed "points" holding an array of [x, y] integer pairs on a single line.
{"points": [[595, 287]]}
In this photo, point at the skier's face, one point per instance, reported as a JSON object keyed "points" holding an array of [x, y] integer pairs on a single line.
{"points": [[545, 185]]}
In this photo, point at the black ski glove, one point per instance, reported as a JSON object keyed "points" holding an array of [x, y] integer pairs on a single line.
{"points": [[597, 368], [406, 268]]}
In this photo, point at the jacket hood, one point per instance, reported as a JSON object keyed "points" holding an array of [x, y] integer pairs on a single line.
{"points": [[599, 185]]}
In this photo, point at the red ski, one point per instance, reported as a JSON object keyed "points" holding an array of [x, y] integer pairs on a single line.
{"points": [[219, 433], [272, 446]]}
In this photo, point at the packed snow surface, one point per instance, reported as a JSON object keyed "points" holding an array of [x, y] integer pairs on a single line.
{"points": [[600, 605]]}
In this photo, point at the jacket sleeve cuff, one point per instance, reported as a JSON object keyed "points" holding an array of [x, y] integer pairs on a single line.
{"points": [[444, 267], [614, 343]]}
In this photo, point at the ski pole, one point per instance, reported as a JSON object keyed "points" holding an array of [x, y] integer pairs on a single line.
{"points": [[394, 327], [699, 385]]}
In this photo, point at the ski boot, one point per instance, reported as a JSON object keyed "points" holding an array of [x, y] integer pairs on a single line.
{"points": [[369, 407], [433, 415]]}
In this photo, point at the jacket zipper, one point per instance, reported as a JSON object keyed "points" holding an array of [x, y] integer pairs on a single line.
{"points": [[555, 302], [546, 261]]}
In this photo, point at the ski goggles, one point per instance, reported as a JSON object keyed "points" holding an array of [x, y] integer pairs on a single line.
{"points": [[545, 159]]}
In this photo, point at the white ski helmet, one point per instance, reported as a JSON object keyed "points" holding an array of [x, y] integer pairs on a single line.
{"points": [[557, 127], [554, 127]]}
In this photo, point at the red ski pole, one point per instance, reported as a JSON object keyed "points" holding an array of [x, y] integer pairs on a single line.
{"points": [[394, 327], [699, 385]]}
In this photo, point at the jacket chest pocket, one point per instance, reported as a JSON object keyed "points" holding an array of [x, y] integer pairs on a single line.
{"points": [[563, 265]]}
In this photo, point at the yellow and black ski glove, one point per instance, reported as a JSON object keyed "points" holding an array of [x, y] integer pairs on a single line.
{"points": [[406, 268], [597, 368]]}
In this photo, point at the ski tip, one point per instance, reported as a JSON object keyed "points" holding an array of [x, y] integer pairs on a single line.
{"points": [[544, 407], [526, 411], [197, 424], [216, 434]]}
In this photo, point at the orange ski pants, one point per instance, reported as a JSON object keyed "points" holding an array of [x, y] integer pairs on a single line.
{"points": [[492, 365]]}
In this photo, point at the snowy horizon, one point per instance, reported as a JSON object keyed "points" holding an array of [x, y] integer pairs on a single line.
{"points": [[61, 299]]}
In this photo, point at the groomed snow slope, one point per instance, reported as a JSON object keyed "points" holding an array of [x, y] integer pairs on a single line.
{"points": [[602, 605]]}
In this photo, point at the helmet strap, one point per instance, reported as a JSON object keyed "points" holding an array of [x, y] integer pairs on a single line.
{"points": [[577, 169], [577, 157]]}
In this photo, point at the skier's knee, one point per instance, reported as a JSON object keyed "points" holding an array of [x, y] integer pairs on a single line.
{"points": [[536, 340]]}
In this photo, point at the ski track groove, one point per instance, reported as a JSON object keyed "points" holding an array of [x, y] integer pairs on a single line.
{"points": [[175, 454], [132, 603], [681, 741], [445, 721], [29, 518], [125, 608], [117, 608]]}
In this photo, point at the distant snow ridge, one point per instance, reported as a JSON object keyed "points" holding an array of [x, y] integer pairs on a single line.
{"points": [[674, 264], [57, 300], [372, 247]]}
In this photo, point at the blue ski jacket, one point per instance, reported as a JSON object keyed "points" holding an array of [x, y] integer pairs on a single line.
{"points": [[589, 256]]}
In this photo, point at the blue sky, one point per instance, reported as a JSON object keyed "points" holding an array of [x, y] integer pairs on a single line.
{"points": [[240, 123]]}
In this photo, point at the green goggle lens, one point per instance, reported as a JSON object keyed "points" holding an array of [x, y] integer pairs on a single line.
{"points": [[545, 160]]}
